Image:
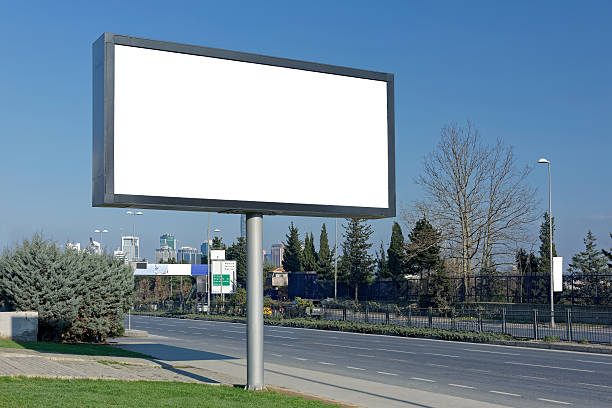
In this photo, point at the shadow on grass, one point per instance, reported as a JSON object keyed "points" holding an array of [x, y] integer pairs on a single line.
{"points": [[70, 348]]}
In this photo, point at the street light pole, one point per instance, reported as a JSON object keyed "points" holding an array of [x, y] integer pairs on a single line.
{"points": [[217, 230], [208, 261], [101, 231], [550, 241], [134, 214], [336, 263]]}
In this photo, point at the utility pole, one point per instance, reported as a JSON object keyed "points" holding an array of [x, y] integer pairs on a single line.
{"points": [[209, 277], [336, 263]]}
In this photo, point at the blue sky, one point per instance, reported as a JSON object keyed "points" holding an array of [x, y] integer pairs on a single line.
{"points": [[535, 74]]}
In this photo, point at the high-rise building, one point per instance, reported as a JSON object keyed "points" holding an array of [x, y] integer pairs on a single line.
{"points": [[118, 254], [94, 247], [243, 225], [189, 255], [277, 252], [165, 254], [204, 248], [167, 240], [130, 246]]}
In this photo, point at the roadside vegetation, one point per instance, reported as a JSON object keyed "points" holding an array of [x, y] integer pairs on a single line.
{"points": [[50, 393], [354, 327]]}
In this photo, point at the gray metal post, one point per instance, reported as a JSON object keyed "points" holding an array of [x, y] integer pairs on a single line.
{"points": [[336, 263], [209, 276], [255, 326], [550, 240], [569, 325]]}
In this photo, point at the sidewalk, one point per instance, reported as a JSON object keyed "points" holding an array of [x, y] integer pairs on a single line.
{"points": [[41, 364]]}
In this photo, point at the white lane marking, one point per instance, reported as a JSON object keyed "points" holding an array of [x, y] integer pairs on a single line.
{"points": [[234, 331], [504, 393], [193, 327], [421, 379], [276, 355], [441, 355], [437, 365], [593, 362], [532, 377], [385, 373], [555, 401], [300, 358], [340, 345], [355, 368], [282, 337], [326, 363], [461, 386], [279, 331], [164, 324], [212, 335], [492, 352], [545, 366], [365, 355], [477, 370], [596, 385], [395, 351], [171, 330]]}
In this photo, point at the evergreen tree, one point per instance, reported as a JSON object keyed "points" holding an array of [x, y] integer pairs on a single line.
{"points": [[527, 267], [293, 250], [382, 264], [397, 259], [439, 292], [78, 296], [608, 254], [545, 244], [309, 256], [217, 243], [237, 252], [590, 263], [325, 258], [423, 249], [356, 260]]}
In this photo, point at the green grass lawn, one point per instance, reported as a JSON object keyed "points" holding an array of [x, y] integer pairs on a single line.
{"points": [[65, 348], [49, 393]]}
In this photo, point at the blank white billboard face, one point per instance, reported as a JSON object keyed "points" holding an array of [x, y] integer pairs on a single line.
{"points": [[201, 127]]}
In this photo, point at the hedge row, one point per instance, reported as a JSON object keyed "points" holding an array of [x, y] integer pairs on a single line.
{"points": [[354, 327]]}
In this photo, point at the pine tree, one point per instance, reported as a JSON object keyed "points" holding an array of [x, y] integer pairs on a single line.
{"points": [[590, 263], [439, 293], [608, 254], [423, 249], [397, 259], [325, 258], [309, 256], [382, 264], [356, 261], [293, 251], [237, 252], [540, 284], [217, 243], [527, 267]]}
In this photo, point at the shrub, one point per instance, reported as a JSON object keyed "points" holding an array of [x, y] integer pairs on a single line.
{"points": [[551, 339], [78, 296]]}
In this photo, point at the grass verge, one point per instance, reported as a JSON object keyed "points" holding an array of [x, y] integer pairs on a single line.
{"points": [[51, 393], [69, 348], [356, 327]]}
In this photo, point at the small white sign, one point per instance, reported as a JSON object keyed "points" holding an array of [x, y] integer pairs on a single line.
{"points": [[558, 274], [223, 276], [217, 254]]}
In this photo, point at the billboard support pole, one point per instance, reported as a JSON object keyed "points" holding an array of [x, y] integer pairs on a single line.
{"points": [[255, 326]]}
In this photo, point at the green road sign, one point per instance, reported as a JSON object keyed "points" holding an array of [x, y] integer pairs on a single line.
{"points": [[216, 280], [226, 280]]}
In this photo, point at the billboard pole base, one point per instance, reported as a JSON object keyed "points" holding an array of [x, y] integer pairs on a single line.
{"points": [[255, 326]]}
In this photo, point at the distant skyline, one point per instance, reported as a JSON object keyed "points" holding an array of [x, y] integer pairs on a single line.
{"points": [[533, 74]]}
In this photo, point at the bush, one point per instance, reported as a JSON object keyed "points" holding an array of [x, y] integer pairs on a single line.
{"points": [[551, 339], [78, 296]]}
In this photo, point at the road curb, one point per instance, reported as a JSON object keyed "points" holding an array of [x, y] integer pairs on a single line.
{"points": [[135, 333], [584, 348]]}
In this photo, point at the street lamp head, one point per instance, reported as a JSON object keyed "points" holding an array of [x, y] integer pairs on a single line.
{"points": [[544, 161], [139, 213], [216, 230], [97, 230], [105, 230], [129, 212]]}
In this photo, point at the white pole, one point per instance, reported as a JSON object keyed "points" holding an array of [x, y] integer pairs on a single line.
{"points": [[208, 260], [255, 323], [336, 263], [550, 239]]}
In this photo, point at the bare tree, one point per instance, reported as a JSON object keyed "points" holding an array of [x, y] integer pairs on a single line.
{"points": [[476, 198]]}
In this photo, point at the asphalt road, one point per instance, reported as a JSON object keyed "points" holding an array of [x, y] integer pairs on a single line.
{"points": [[510, 376]]}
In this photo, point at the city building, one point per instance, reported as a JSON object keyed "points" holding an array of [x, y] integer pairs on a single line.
{"points": [[119, 254], [130, 245], [94, 247], [204, 248], [277, 253], [73, 245], [189, 255], [167, 240], [243, 225], [165, 254], [267, 258]]}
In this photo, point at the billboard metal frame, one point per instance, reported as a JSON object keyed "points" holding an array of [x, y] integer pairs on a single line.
{"points": [[103, 194]]}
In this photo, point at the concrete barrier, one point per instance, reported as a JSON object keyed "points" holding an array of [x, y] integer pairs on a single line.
{"points": [[21, 326]]}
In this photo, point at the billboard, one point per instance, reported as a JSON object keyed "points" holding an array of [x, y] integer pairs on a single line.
{"points": [[220, 109], [557, 273], [172, 270]]}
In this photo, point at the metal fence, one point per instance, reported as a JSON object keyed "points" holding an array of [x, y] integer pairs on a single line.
{"points": [[578, 289], [581, 326]]}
